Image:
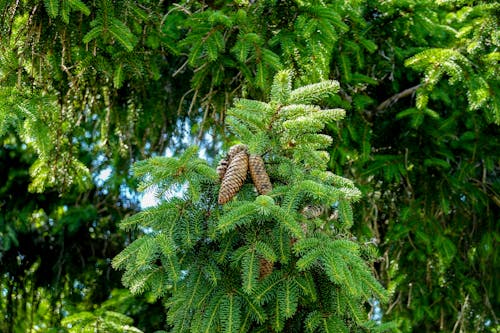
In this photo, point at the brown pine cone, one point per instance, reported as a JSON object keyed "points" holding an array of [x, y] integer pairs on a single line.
{"points": [[312, 211], [222, 168], [259, 175], [234, 177], [266, 268]]}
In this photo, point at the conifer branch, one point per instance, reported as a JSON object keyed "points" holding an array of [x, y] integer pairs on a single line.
{"points": [[247, 256]]}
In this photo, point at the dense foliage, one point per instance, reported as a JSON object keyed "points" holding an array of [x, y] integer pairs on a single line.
{"points": [[89, 87], [260, 262]]}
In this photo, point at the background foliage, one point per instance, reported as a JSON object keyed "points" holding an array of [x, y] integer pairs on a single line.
{"points": [[89, 87]]}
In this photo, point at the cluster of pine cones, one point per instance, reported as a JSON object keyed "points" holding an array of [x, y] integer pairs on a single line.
{"points": [[233, 171]]}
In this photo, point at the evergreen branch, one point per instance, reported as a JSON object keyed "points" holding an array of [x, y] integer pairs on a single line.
{"points": [[239, 253], [65, 8], [283, 244], [146, 253], [303, 124], [287, 221], [355, 311], [306, 283], [79, 6], [173, 268], [160, 283], [80, 319], [230, 313], [126, 254], [264, 205], [308, 259], [281, 87], [253, 107], [52, 7], [278, 321], [332, 179], [211, 313], [312, 321], [208, 293], [122, 34], [194, 288], [314, 141], [117, 317], [345, 213], [166, 244], [316, 191], [341, 246], [227, 244], [314, 92], [237, 217], [138, 280], [247, 320], [338, 272], [241, 130], [287, 296], [258, 313], [251, 119], [161, 216], [235, 280], [261, 75], [190, 154], [293, 111], [250, 271], [366, 279], [93, 34], [265, 251], [266, 290], [212, 272], [335, 324]]}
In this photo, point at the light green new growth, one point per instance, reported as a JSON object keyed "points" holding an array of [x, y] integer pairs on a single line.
{"points": [[100, 321], [206, 259], [474, 64]]}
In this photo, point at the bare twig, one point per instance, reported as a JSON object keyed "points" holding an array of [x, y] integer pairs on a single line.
{"points": [[193, 101], [206, 102], [393, 99], [200, 133], [461, 314], [488, 305], [398, 299], [179, 109], [180, 69], [408, 303]]}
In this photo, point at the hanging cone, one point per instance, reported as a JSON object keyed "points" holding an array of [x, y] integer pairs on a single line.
{"points": [[259, 174], [222, 168], [312, 211], [234, 177], [224, 163], [266, 268]]}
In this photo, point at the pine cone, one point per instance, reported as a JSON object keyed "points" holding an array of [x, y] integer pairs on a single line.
{"points": [[266, 268], [222, 168], [312, 211], [234, 177], [259, 174]]}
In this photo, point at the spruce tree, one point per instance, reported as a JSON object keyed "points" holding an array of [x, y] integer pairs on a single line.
{"points": [[272, 253]]}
